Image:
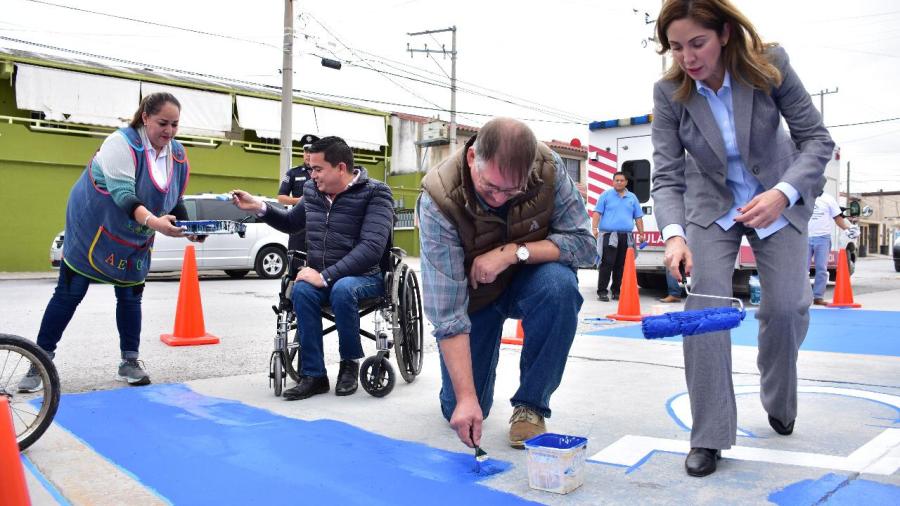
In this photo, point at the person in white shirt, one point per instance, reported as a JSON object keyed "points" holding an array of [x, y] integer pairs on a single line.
{"points": [[826, 213]]}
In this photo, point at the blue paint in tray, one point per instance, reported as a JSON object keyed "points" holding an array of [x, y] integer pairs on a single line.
{"points": [[194, 449]]}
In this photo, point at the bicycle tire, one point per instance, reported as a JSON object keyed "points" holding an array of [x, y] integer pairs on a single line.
{"points": [[11, 371]]}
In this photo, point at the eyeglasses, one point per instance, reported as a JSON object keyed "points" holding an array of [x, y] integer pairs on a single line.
{"points": [[494, 190]]}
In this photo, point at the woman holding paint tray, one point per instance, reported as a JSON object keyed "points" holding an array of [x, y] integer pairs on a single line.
{"points": [[726, 169], [130, 190]]}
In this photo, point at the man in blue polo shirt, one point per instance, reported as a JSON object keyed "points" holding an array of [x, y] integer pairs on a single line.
{"points": [[616, 210]]}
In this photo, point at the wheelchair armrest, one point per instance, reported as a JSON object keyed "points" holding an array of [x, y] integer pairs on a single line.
{"points": [[296, 260], [400, 252]]}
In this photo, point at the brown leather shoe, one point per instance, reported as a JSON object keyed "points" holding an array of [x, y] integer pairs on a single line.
{"points": [[670, 299], [820, 302], [525, 423]]}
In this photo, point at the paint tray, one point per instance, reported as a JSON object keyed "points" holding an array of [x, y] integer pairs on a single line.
{"points": [[207, 227], [556, 462]]}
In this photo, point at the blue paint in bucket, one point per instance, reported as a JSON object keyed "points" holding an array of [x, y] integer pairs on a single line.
{"points": [[557, 441], [556, 462]]}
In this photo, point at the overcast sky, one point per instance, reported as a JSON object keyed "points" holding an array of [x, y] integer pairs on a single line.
{"points": [[565, 63]]}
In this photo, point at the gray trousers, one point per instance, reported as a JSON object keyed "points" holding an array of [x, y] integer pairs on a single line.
{"points": [[783, 321]]}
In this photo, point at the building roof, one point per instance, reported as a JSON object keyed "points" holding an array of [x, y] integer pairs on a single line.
{"points": [[554, 144], [133, 70], [424, 119]]}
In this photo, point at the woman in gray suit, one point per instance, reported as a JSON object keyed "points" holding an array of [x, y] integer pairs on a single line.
{"points": [[725, 169]]}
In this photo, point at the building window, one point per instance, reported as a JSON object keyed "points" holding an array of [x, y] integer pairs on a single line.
{"points": [[404, 219], [573, 167]]}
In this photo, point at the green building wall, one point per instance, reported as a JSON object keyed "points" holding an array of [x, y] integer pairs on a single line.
{"points": [[39, 167]]}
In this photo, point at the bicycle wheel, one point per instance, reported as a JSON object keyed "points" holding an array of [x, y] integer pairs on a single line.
{"points": [[32, 412]]}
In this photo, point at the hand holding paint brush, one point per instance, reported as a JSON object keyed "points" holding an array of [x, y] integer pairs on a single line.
{"points": [[480, 455]]}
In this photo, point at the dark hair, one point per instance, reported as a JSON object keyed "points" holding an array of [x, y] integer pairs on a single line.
{"points": [[620, 173], [744, 55], [335, 151], [510, 144], [151, 104]]}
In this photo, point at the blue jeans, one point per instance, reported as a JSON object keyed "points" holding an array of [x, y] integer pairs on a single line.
{"points": [[344, 297], [819, 247], [546, 298], [672, 285], [70, 290]]}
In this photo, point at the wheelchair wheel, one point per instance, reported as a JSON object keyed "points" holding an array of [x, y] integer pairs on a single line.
{"points": [[277, 373], [377, 376], [293, 365], [32, 411], [409, 344]]}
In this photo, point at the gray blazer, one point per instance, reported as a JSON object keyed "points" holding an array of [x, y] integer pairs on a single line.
{"points": [[689, 180]]}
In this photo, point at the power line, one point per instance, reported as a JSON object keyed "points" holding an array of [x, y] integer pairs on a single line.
{"points": [[335, 37], [543, 109], [864, 122], [253, 83], [425, 80], [558, 112], [153, 23]]}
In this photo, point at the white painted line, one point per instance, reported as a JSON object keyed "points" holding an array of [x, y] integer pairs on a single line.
{"points": [[881, 455]]}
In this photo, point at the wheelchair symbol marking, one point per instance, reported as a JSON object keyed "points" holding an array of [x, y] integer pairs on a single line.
{"points": [[880, 455]]}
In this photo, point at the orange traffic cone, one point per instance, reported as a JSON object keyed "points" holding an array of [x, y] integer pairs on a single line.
{"points": [[843, 292], [520, 336], [629, 302], [13, 490], [189, 327]]}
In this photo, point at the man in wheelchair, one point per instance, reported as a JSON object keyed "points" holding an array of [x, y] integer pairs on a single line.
{"points": [[348, 219], [503, 230]]}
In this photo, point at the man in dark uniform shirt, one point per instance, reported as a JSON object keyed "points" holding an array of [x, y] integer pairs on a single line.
{"points": [[291, 191]]}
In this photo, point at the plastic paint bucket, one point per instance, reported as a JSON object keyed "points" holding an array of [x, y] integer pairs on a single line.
{"points": [[556, 462]]}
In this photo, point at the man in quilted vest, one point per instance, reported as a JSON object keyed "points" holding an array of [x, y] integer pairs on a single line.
{"points": [[503, 230]]}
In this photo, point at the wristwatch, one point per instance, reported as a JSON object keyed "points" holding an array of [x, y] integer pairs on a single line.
{"points": [[522, 253]]}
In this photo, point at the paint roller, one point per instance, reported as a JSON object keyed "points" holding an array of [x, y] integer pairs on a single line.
{"points": [[700, 321]]}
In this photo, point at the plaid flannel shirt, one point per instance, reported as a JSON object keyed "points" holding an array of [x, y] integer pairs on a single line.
{"points": [[444, 277]]}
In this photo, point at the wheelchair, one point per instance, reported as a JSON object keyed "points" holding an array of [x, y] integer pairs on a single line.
{"points": [[398, 327]]}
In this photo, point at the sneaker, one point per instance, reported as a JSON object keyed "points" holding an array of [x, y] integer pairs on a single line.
{"points": [[525, 423], [131, 371], [31, 382], [818, 301], [603, 298]]}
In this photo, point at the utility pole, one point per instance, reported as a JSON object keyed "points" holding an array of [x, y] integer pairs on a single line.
{"points": [[443, 51], [287, 90], [848, 183], [821, 94]]}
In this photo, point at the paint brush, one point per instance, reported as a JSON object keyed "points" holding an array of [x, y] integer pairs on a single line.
{"points": [[480, 455]]}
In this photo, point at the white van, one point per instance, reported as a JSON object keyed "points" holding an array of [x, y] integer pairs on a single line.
{"points": [[262, 248], [624, 145]]}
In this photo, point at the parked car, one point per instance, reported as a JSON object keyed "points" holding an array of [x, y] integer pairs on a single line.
{"points": [[262, 248]]}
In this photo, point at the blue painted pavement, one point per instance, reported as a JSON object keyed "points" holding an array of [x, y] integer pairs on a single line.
{"points": [[834, 489], [835, 330], [194, 449]]}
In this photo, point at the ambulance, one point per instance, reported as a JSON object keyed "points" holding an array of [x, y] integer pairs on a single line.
{"points": [[624, 145]]}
